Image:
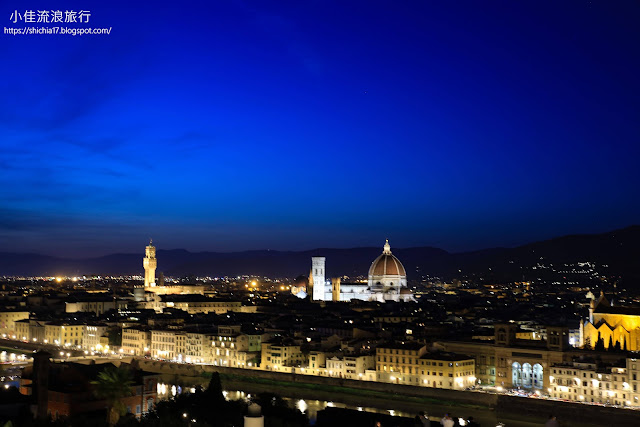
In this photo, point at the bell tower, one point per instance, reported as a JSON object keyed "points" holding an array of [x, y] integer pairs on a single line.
{"points": [[149, 262], [317, 275]]}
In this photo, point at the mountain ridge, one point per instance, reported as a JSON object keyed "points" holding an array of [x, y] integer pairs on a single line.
{"points": [[617, 249]]}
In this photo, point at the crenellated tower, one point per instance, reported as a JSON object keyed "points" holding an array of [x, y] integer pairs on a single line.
{"points": [[150, 263]]}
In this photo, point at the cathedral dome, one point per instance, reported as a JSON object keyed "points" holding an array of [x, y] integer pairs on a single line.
{"points": [[387, 264]]}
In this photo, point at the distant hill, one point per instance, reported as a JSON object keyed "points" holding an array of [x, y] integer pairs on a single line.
{"points": [[618, 250]]}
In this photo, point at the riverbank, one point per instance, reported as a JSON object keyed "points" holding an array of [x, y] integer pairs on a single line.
{"points": [[485, 407], [488, 408], [383, 402]]}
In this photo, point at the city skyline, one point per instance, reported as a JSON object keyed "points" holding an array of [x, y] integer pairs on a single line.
{"points": [[239, 126], [320, 213]]}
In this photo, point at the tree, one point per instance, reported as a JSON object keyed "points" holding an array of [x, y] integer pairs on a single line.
{"points": [[115, 337], [616, 346], [214, 393], [112, 385], [599, 345]]}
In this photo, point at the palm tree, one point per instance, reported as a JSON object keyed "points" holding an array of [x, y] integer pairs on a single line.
{"points": [[112, 385]]}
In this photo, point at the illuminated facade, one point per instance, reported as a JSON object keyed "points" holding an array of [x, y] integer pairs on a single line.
{"points": [[349, 366], [197, 348], [388, 278], [511, 362], [64, 334], [29, 330], [317, 280], [585, 382], [387, 281], [412, 364], [617, 326], [235, 349], [167, 344], [22, 330], [9, 318], [194, 304], [276, 355], [95, 305], [153, 288], [136, 341], [94, 335], [150, 263]]}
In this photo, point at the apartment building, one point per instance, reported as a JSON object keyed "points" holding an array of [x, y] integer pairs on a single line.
{"points": [[21, 330], [412, 364], [231, 347], [197, 347], [8, 318], [164, 344], [281, 353], [136, 341], [64, 334], [586, 382], [93, 334], [349, 366]]}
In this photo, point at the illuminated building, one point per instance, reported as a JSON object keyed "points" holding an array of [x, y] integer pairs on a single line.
{"points": [[136, 341], [612, 325], [585, 382], [412, 364], [94, 304], [317, 281], [8, 318], [150, 263], [91, 340], [387, 281], [281, 353], [233, 348], [64, 333], [511, 362], [165, 344]]}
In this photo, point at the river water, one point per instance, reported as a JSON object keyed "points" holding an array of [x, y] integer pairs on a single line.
{"points": [[310, 402]]}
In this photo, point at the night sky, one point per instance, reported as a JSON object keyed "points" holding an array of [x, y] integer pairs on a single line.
{"points": [[231, 125]]}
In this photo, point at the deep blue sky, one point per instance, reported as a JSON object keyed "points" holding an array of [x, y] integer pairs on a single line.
{"points": [[228, 125]]}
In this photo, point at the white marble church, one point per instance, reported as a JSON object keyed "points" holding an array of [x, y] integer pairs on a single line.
{"points": [[387, 281]]}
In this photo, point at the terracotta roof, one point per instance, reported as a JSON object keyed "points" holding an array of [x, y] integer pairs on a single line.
{"points": [[387, 264]]}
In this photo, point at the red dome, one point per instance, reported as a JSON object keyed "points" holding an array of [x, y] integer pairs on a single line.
{"points": [[387, 264]]}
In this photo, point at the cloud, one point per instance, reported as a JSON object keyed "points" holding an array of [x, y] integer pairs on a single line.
{"points": [[45, 232]]}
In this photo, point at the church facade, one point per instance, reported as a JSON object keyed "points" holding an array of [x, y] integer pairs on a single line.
{"points": [[613, 326]]}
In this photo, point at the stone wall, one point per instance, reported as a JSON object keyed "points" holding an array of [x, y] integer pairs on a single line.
{"points": [[538, 409], [567, 412], [505, 406], [483, 399]]}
